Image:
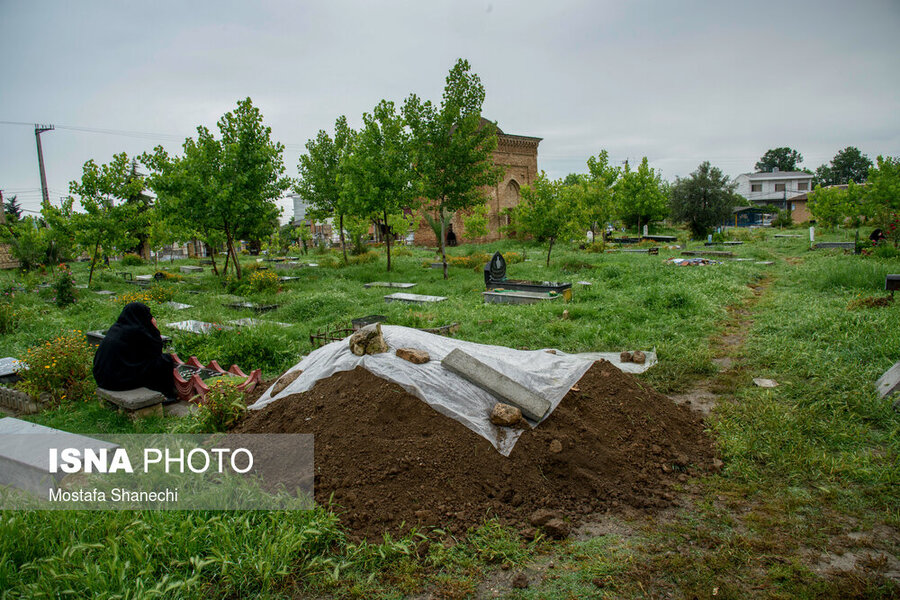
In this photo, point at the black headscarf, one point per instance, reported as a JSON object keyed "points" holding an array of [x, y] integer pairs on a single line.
{"points": [[130, 355]]}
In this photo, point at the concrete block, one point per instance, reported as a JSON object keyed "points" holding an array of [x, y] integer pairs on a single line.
{"points": [[389, 284], [413, 298], [190, 269], [497, 297], [489, 379], [25, 459], [132, 400], [889, 382]]}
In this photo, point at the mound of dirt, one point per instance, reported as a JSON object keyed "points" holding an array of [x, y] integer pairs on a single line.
{"points": [[391, 462]]}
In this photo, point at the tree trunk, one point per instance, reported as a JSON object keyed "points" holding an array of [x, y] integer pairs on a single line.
{"points": [[549, 250], [387, 239], [93, 261], [443, 237], [212, 256], [343, 242], [234, 258]]}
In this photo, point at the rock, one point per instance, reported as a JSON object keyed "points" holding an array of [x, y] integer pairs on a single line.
{"points": [[520, 581], [557, 529], [765, 383], [285, 380], [418, 357], [638, 357], [505, 415], [368, 340], [556, 447], [626, 356], [541, 516]]}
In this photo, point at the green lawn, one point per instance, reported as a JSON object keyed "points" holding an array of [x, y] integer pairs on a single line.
{"points": [[806, 464]]}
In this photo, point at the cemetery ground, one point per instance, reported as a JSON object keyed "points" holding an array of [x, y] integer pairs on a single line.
{"points": [[804, 504]]}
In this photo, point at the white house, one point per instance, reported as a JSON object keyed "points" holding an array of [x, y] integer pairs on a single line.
{"points": [[773, 189]]}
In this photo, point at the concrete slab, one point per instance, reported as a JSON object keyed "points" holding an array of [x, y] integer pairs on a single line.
{"points": [[764, 383], [25, 457], [706, 253], [489, 379], [178, 305], [514, 297], [287, 278], [194, 326], [10, 366], [835, 245], [104, 292], [131, 400], [254, 322], [764, 262], [144, 277], [388, 284], [889, 382], [413, 298], [787, 235]]}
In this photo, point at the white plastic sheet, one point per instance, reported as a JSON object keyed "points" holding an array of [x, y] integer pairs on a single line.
{"points": [[548, 375]]}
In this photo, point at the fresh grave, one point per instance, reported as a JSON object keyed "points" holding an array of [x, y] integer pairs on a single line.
{"points": [[495, 278], [391, 462], [191, 378]]}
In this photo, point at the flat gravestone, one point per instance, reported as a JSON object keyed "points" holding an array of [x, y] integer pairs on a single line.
{"points": [[178, 305], [190, 269], [254, 322], [144, 277], [104, 292], [286, 278], [517, 297], [835, 245], [788, 235], [194, 326], [95, 337], [9, 369], [889, 382], [81, 286], [259, 308], [139, 402], [764, 262], [389, 284], [706, 253], [25, 456], [413, 298]]}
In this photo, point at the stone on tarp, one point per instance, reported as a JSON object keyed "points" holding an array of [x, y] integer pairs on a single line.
{"points": [[285, 380], [505, 415], [368, 340], [489, 379], [418, 357], [638, 357], [626, 356]]}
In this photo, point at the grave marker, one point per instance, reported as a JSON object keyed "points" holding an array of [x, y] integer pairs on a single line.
{"points": [[200, 327], [889, 382], [388, 284], [501, 296], [413, 298]]}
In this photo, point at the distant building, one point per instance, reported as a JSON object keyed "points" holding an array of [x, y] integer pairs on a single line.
{"points": [[517, 154], [774, 189]]}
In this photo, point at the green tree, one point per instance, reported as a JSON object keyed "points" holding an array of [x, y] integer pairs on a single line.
{"points": [[882, 192], [251, 175], [596, 192], [321, 175], [226, 188], [379, 179], [545, 212], [832, 206], [847, 165], [13, 210], [453, 148], [104, 222], [641, 195], [784, 159], [702, 200]]}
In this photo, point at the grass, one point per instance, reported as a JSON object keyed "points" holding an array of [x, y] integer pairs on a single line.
{"points": [[806, 463]]}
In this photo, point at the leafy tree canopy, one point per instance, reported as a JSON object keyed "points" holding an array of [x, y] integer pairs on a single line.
{"points": [[847, 165], [702, 200], [785, 159], [545, 211], [641, 195]]}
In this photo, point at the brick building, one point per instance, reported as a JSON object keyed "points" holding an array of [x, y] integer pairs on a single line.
{"points": [[517, 154]]}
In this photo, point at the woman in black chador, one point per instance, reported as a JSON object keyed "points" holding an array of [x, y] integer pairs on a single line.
{"points": [[131, 356]]}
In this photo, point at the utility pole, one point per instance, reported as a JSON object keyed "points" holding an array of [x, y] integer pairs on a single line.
{"points": [[38, 130]]}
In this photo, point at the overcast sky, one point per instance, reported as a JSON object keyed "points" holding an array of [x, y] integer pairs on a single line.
{"points": [[677, 81]]}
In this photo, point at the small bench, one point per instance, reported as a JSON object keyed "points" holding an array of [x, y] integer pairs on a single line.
{"points": [[137, 403]]}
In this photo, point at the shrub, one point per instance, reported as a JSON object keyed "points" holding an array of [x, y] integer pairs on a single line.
{"points": [[168, 276], [60, 367], [401, 251], [361, 259], [64, 287], [263, 281], [132, 260], [223, 406], [157, 293], [8, 317], [783, 219]]}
